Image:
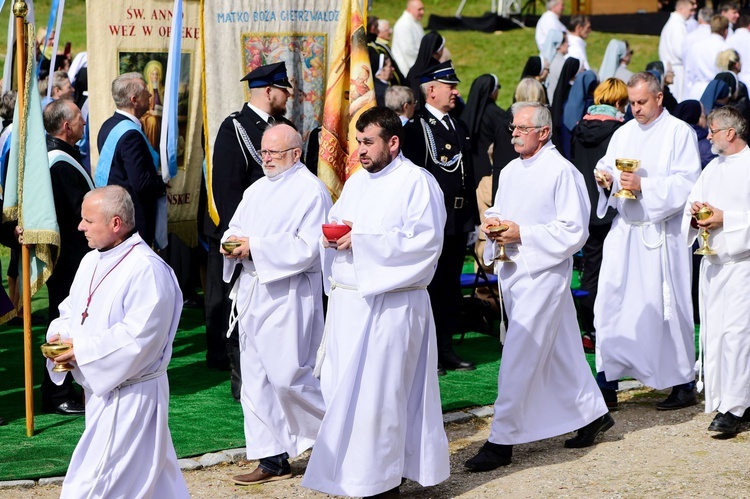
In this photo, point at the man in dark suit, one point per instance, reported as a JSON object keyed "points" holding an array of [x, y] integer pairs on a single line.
{"points": [[236, 164], [70, 182], [125, 156], [441, 144]]}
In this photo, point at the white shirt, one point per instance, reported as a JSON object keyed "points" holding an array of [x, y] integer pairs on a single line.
{"points": [[740, 41], [577, 49], [547, 21], [700, 65], [407, 36]]}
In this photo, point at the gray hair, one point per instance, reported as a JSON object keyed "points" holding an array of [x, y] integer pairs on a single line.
{"points": [[59, 78], [541, 117], [705, 14], [126, 86], [396, 96], [8, 105], [552, 3], [654, 85], [56, 114], [729, 117], [115, 202]]}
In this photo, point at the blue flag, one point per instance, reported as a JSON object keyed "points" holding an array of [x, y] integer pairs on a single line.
{"points": [[28, 189]]}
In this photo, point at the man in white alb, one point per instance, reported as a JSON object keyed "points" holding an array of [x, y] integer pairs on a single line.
{"points": [[407, 36], [549, 20], [545, 387], [740, 41], [701, 32], [725, 275], [579, 29], [121, 317], [700, 59], [278, 305], [383, 417], [643, 310], [671, 45]]}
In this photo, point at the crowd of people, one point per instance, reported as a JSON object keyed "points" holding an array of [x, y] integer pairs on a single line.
{"points": [[355, 377]]}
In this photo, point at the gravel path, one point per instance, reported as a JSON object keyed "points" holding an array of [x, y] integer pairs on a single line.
{"points": [[647, 453]]}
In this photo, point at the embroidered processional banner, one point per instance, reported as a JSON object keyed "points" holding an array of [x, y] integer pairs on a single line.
{"points": [[125, 36], [240, 36]]}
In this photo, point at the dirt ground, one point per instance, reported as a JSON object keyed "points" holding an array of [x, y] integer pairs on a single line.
{"points": [[647, 453]]}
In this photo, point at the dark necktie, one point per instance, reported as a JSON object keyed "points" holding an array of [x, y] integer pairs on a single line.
{"points": [[447, 121], [271, 121]]}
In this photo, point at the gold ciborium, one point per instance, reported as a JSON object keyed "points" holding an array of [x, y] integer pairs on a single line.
{"points": [[702, 214], [630, 166], [500, 255], [52, 350], [230, 246]]}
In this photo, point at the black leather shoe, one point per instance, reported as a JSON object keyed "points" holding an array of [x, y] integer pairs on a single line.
{"points": [[490, 456], [67, 408], [746, 416], [725, 423], [453, 362], [678, 399], [588, 433], [441, 371]]}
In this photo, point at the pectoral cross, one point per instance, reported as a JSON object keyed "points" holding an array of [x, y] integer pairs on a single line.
{"points": [[84, 315]]}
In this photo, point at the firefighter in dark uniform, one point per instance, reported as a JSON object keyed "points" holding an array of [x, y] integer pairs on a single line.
{"points": [[236, 164], [440, 143]]}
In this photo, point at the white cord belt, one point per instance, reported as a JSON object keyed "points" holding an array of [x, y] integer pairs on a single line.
{"points": [[321, 355], [666, 290]]}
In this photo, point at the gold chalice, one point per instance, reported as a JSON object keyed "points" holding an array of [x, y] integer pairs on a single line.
{"points": [[500, 256], [230, 246], [702, 214], [630, 166], [52, 350]]}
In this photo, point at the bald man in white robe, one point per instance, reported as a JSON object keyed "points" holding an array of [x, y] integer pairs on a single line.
{"points": [[121, 317], [278, 305]]}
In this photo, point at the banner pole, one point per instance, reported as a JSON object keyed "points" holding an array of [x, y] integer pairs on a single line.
{"points": [[20, 9]]}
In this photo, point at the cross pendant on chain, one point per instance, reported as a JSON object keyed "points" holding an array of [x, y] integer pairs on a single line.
{"points": [[84, 315]]}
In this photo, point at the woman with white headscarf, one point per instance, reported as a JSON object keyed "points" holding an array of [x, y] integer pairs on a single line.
{"points": [[615, 61]]}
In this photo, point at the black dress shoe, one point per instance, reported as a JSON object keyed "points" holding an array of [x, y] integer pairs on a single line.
{"points": [[67, 408], [746, 417], [453, 362], [441, 371], [490, 456], [725, 423], [588, 433], [678, 399], [388, 494]]}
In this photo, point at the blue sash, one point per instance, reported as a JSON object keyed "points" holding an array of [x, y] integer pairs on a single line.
{"points": [[103, 166]]}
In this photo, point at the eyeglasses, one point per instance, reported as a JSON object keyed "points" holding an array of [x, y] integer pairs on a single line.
{"points": [[274, 154], [523, 129], [717, 130]]}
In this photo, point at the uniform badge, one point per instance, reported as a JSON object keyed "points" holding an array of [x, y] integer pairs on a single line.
{"points": [[432, 121], [448, 146], [444, 159]]}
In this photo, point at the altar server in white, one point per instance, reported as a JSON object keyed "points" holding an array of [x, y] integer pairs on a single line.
{"points": [[121, 318], [671, 45], [548, 21], [545, 386], [277, 302], [724, 277], [383, 417], [643, 311], [407, 35]]}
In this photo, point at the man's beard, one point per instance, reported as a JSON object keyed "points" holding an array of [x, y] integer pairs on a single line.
{"points": [[379, 162], [715, 149], [276, 172]]}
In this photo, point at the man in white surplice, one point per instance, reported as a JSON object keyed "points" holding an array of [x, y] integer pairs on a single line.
{"points": [[545, 386], [548, 21], [407, 35], [121, 317], [278, 305], [671, 45], [725, 275], [383, 417], [643, 312]]}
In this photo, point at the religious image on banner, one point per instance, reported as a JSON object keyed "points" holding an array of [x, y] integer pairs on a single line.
{"points": [[152, 65], [305, 57]]}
